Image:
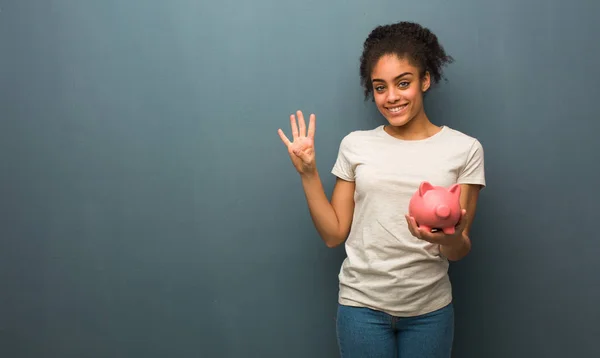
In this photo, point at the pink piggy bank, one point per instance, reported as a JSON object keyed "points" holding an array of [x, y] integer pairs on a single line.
{"points": [[436, 207]]}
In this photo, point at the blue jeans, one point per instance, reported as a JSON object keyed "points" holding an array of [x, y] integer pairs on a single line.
{"points": [[366, 333]]}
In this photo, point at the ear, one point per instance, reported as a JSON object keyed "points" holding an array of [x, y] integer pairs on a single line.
{"points": [[455, 189], [426, 82], [425, 187]]}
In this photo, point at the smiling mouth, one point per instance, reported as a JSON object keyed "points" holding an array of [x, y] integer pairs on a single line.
{"points": [[397, 109]]}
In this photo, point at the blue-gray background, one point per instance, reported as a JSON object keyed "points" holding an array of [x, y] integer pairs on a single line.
{"points": [[149, 209]]}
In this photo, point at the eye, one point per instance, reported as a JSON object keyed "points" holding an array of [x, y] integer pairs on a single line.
{"points": [[379, 88], [403, 84]]}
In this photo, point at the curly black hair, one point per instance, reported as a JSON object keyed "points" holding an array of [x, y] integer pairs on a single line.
{"points": [[406, 40]]}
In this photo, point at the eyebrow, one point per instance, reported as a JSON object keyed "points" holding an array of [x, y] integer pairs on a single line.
{"points": [[395, 79]]}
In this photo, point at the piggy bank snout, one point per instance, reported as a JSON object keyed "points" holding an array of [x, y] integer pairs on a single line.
{"points": [[442, 211]]}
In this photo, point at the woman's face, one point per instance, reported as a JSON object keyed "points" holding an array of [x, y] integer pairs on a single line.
{"points": [[398, 89]]}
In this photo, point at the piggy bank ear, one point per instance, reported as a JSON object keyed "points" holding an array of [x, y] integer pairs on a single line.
{"points": [[425, 187], [455, 189]]}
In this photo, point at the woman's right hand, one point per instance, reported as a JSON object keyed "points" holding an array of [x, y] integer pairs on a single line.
{"points": [[302, 147]]}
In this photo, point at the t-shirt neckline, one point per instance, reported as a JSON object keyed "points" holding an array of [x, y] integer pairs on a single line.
{"points": [[383, 133]]}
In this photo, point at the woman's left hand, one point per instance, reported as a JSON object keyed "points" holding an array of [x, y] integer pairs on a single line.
{"points": [[438, 237]]}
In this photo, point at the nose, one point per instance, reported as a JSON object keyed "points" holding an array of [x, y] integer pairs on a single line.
{"points": [[443, 211], [393, 95]]}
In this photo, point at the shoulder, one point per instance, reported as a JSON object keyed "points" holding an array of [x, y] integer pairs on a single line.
{"points": [[361, 136], [470, 150], [461, 141], [351, 152], [459, 136]]}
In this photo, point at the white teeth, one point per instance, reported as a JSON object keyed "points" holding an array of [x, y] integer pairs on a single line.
{"points": [[396, 109]]}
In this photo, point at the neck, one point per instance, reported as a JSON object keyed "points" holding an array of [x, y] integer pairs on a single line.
{"points": [[420, 127]]}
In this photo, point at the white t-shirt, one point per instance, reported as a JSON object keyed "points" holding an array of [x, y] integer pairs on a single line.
{"points": [[386, 268]]}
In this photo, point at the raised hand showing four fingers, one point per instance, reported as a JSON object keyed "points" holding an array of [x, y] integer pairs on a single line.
{"points": [[302, 146]]}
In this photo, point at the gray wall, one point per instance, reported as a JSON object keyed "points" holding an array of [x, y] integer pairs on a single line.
{"points": [[149, 209]]}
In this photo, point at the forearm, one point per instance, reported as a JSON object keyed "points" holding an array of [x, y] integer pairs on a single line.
{"points": [[457, 250], [322, 212]]}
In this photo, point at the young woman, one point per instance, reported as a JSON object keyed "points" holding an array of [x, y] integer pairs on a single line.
{"points": [[395, 296]]}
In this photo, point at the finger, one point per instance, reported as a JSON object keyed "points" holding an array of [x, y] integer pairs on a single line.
{"points": [[412, 226], [284, 139], [409, 225], [426, 235], [432, 237], [302, 155], [418, 231], [294, 127], [462, 222], [311, 126], [301, 123]]}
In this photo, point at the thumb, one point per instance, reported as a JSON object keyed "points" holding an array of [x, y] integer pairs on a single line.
{"points": [[302, 155]]}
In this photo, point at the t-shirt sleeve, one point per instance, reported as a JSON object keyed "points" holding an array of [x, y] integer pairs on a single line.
{"points": [[473, 172], [343, 168]]}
